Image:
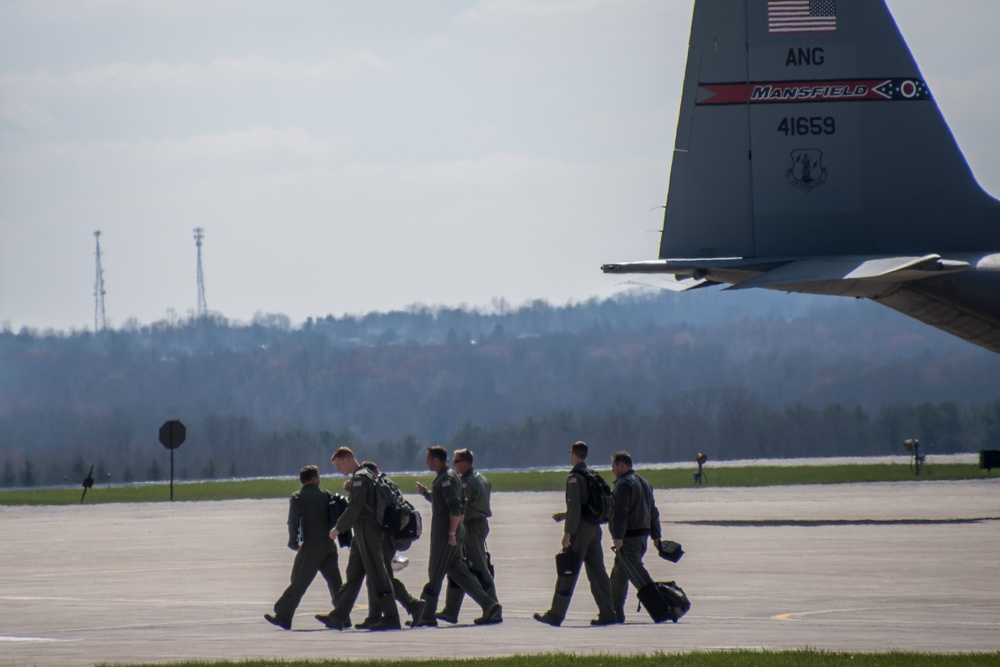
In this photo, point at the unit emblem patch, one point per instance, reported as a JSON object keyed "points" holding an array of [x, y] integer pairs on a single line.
{"points": [[807, 172]]}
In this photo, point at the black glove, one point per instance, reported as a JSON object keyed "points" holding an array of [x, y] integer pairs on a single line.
{"points": [[294, 546]]}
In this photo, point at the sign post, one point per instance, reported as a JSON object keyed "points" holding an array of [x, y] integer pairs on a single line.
{"points": [[172, 435]]}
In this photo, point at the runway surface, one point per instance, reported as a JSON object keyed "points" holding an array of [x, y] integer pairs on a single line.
{"points": [[873, 567]]}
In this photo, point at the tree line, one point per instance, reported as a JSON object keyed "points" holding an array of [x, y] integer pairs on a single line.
{"points": [[726, 425], [640, 372]]}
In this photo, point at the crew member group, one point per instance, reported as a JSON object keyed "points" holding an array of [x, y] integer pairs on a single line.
{"points": [[459, 560]]}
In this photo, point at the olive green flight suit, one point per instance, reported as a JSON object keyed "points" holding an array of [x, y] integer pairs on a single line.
{"points": [[477, 527], [447, 500], [585, 543], [308, 509], [636, 519], [402, 595], [366, 558]]}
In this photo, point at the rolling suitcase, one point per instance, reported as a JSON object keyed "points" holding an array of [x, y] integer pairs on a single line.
{"points": [[663, 600]]}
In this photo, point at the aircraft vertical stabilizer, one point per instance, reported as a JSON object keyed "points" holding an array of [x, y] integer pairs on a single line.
{"points": [[811, 157]]}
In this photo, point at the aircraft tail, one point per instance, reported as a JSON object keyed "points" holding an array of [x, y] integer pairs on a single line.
{"points": [[807, 130], [811, 157]]}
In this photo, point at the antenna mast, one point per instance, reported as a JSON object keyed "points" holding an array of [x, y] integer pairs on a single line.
{"points": [[100, 324], [199, 234]]}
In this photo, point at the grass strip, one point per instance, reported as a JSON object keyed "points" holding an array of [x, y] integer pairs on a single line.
{"points": [[736, 658], [524, 480]]}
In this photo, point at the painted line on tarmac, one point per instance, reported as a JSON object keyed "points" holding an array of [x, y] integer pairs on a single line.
{"points": [[822, 523], [35, 639], [799, 615], [32, 598]]}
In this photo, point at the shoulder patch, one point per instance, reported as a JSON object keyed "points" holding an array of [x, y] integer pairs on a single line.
{"points": [[357, 482], [571, 480], [446, 482]]}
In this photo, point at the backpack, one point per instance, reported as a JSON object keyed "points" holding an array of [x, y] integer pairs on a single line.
{"points": [[600, 503], [394, 513], [410, 531], [335, 508], [336, 504]]}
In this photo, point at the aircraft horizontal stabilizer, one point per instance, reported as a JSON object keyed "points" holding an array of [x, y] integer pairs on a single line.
{"points": [[693, 268], [917, 301], [683, 284], [648, 266], [878, 269], [680, 280]]}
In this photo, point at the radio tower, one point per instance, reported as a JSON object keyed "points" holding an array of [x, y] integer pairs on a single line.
{"points": [[100, 324], [199, 234]]}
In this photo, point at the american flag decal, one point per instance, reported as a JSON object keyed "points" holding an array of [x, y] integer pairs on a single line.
{"points": [[801, 16]]}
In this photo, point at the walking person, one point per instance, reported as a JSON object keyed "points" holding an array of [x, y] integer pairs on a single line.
{"points": [[634, 521], [389, 548], [309, 538], [447, 533], [366, 559], [582, 540], [477, 528]]}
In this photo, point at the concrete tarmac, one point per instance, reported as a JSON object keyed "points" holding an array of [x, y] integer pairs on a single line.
{"points": [[866, 567]]}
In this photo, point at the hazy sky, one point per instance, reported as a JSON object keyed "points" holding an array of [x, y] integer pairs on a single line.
{"points": [[348, 156]]}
